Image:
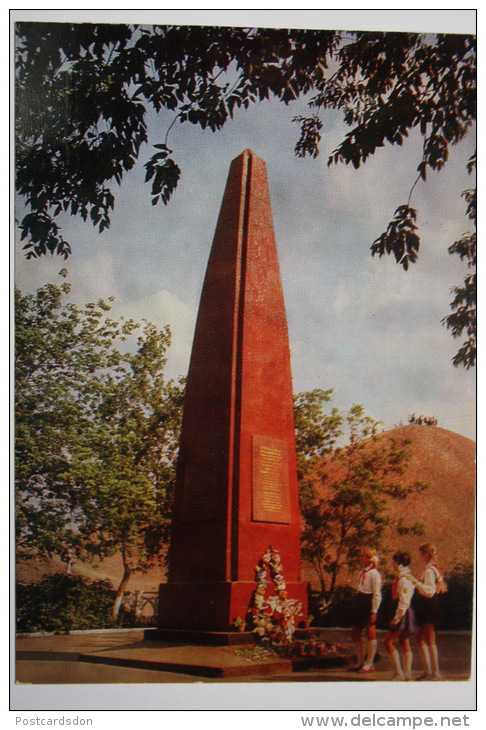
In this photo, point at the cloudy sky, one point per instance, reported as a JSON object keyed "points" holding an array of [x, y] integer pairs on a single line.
{"points": [[358, 325]]}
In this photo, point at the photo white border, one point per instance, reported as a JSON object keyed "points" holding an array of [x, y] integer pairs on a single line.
{"points": [[286, 701]]}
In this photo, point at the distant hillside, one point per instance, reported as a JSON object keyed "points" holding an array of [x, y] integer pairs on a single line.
{"points": [[446, 462], [443, 459]]}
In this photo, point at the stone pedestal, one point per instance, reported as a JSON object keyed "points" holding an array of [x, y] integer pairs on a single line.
{"points": [[236, 490], [212, 606]]}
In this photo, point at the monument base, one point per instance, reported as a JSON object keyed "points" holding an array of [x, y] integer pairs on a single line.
{"points": [[215, 638], [213, 606], [201, 638]]}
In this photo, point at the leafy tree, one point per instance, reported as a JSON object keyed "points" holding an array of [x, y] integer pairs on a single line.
{"points": [[96, 432], [463, 317], [346, 492], [315, 432], [84, 92]]}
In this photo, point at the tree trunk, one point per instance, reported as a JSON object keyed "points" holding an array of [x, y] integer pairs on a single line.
{"points": [[335, 572], [337, 565], [127, 571], [321, 576], [332, 587]]}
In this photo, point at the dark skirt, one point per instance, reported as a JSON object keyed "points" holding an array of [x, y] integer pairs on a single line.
{"points": [[408, 623], [362, 611], [427, 610]]}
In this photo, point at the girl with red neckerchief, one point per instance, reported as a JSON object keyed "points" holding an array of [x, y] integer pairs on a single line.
{"points": [[368, 600]]}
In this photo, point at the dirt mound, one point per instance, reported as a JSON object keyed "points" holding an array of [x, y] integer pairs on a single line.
{"points": [[446, 462]]}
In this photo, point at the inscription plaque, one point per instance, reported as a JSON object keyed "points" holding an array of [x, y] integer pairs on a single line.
{"points": [[270, 480]]}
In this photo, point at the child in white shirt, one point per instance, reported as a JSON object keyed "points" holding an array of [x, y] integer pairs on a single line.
{"points": [[403, 621], [368, 601]]}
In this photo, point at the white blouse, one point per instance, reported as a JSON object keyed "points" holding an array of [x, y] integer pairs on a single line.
{"points": [[405, 591], [370, 583], [427, 586]]}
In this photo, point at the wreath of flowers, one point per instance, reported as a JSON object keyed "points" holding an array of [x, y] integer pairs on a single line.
{"points": [[274, 617]]}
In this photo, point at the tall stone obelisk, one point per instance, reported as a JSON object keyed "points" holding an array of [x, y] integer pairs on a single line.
{"points": [[236, 490]]}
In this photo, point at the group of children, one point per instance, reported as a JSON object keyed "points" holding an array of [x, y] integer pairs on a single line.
{"points": [[416, 612]]}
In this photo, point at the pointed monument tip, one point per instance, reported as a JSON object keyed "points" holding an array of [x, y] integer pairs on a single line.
{"points": [[248, 153]]}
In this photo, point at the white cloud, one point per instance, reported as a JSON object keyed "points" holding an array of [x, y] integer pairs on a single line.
{"points": [[164, 308]]}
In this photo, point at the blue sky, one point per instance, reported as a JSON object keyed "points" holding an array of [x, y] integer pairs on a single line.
{"points": [[359, 325]]}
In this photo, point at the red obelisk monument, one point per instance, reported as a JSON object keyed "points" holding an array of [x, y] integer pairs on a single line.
{"points": [[236, 490]]}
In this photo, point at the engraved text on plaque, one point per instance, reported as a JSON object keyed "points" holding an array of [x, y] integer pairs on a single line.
{"points": [[270, 480]]}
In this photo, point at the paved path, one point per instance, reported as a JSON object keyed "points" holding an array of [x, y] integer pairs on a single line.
{"points": [[61, 660]]}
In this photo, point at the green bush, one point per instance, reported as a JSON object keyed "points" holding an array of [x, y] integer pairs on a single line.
{"points": [[340, 611], [61, 603], [337, 613], [458, 602]]}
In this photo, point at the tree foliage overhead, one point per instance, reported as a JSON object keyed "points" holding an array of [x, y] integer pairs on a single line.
{"points": [[463, 317], [96, 431], [84, 92]]}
